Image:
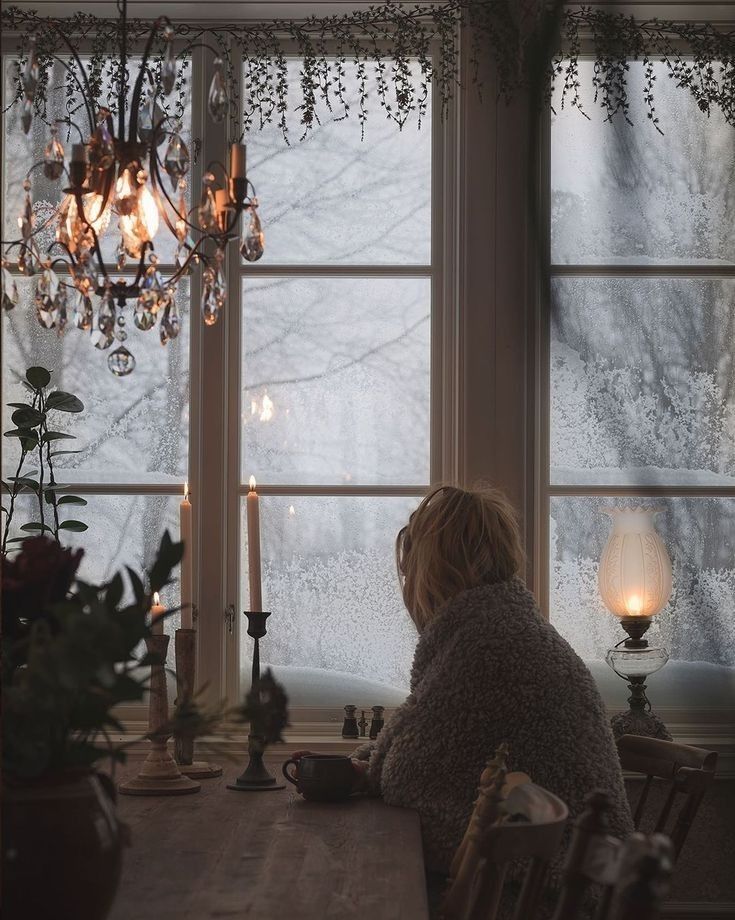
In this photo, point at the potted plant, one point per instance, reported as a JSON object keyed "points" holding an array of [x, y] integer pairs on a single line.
{"points": [[69, 656]]}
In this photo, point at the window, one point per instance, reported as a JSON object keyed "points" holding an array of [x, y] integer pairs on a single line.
{"points": [[317, 380], [640, 375], [334, 410]]}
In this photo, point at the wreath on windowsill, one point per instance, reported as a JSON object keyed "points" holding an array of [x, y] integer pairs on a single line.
{"points": [[399, 52]]}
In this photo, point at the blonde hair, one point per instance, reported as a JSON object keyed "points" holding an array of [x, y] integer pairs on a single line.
{"points": [[455, 540]]}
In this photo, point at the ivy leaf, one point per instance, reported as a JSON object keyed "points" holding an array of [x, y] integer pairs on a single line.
{"points": [[38, 377], [74, 526], [71, 500], [64, 402]]}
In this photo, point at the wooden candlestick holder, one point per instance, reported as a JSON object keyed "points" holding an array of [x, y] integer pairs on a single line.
{"points": [[185, 648], [159, 774], [255, 777]]}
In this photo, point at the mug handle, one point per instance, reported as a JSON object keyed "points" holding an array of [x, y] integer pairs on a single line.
{"points": [[290, 776]]}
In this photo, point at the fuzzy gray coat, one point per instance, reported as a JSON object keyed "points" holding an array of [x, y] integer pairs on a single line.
{"points": [[489, 668]]}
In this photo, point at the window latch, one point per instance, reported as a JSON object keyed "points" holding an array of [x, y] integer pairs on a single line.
{"points": [[230, 618]]}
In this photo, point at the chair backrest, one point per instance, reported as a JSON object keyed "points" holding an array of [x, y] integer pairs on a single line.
{"points": [[688, 772], [513, 819], [629, 878]]}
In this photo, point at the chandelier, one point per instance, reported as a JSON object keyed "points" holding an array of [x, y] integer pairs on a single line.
{"points": [[128, 178]]}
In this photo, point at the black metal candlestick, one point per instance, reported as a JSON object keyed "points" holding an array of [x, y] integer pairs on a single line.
{"points": [[256, 777]]}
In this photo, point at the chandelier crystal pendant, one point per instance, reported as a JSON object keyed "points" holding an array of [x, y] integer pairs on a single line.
{"points": [[128, 179]]}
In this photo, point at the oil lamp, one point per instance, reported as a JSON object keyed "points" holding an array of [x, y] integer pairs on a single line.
{"points": [[635, 584]]}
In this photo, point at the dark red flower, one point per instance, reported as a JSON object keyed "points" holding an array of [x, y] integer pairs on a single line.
{"points": [[39, 576]]}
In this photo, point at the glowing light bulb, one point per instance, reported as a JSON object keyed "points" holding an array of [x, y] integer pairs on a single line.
{"points": [[126, 198], [634, 605], [147, 213]]}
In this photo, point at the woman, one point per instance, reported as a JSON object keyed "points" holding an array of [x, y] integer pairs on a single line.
{"points": [[488, 668]]}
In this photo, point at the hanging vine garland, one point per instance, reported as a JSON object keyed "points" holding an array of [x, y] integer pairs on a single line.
{"points": [[400, 53]]}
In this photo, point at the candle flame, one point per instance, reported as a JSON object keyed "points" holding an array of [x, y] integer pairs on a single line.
{"points": [[635, 605], [252, 483], [267, 412], [291, 510], [156, 599], [186, 491]]}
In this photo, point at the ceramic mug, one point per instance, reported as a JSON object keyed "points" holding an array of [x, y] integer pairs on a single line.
{"points": [[322, 777]]}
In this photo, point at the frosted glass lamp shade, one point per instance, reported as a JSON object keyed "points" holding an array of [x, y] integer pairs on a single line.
{"points": [[635, 569]]}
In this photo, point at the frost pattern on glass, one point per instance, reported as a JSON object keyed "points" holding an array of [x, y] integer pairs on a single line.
{"points": [[22, 151], [698, 623], [123, 530], [334, 198], [336, 380], [622, 193], [133, 429], [329, 580], [642, 384]]}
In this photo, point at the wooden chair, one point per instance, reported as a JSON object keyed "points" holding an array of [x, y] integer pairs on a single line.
{"points": [[631, 877], [688, 773], [513, 819]]}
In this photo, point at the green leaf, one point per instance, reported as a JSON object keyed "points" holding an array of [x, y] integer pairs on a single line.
{"points": [[34, 526], [169, 555], [38, 377], [61, 453], [75, 526], [26, 418], [64, 402], [20, 406], [71, 500], [57, 436], [137, 585], [114, 592], [26, 435], [26, 482]]}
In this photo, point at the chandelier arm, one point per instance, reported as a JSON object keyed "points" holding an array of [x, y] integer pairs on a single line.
{"points": [[193, 253], [147, 244], [78, 195], [158, 184], [72, 124]]}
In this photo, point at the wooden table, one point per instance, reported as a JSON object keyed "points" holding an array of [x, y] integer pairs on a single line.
{"points": [[270, 856]]}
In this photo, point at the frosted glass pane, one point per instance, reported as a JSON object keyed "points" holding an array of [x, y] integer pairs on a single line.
{"points": [[336, 380], [625, 193], [22, 151], [134, 428], [698, 623], [642, 388], [332, 197], [338, 631], [123, 530]]}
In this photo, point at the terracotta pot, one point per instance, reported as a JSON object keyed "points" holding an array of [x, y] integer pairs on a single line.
{"points": [[61, 846]]}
